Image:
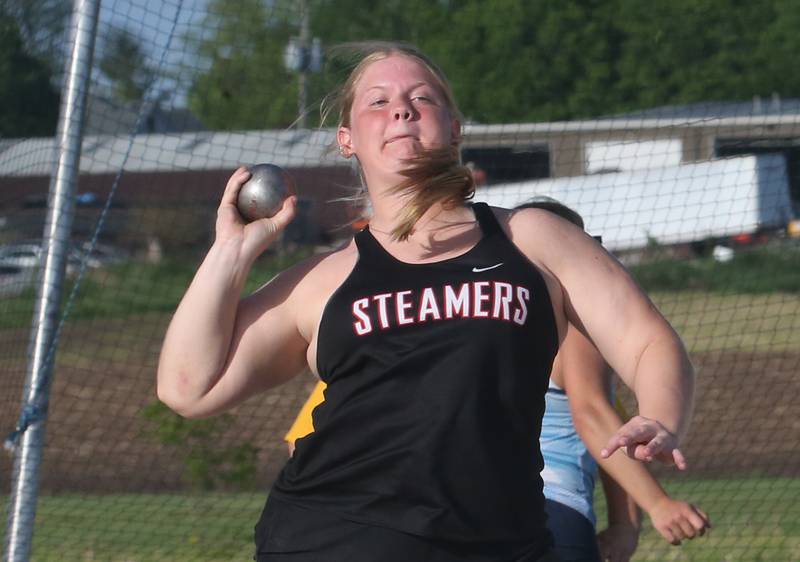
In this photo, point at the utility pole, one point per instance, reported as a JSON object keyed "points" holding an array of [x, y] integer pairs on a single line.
{"points": [[302, 80], [303, 55]]}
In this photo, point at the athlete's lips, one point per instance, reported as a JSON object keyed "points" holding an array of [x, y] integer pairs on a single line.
{"points": [[396, 138]]}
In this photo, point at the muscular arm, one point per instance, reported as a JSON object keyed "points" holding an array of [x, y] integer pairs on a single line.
{"points": [[219, 349], [604, 302]]}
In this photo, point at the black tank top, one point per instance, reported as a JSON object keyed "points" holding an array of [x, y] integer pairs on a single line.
{"points": [[436, 379]]}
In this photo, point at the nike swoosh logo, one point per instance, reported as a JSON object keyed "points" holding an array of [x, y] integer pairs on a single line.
{"points": [[479, 269]]}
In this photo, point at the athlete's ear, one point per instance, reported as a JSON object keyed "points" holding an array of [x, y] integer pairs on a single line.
{"points": [[456, 135], [345, 141]]}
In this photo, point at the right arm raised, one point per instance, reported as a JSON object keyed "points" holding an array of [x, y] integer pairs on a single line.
{"points": [[220, 349]]}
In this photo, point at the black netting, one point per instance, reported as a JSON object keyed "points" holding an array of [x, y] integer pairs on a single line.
{"points": [[675, 135]]}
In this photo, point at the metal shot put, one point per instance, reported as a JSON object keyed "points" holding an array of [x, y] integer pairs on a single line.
{"points": [[263, 194]]}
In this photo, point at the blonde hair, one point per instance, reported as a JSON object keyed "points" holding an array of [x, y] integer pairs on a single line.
{"points": [[435, 175]]}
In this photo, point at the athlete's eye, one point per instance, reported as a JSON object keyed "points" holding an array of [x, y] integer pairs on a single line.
{"points": [[378, 102]]}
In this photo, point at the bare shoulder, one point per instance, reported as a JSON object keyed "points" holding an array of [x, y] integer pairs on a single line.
{"points": [[295, 297], [530, 225], [321, 277], [536, 232]]}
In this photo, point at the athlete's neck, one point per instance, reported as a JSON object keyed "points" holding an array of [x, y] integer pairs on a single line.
{"points": [[438, 219]]}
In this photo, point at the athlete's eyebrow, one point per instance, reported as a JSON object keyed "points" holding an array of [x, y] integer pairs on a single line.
{"points": [[386, 86]]}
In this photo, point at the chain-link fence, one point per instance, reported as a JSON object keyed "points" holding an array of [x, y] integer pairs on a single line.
{"points": [[694, 195]]}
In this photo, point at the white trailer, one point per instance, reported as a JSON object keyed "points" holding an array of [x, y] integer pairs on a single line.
{"points": [[668, 205]]}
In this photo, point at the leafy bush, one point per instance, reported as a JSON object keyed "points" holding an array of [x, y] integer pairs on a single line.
{"points": [[768, 269]]}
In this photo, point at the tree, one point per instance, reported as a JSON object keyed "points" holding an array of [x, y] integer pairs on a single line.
{"points": [[29, 104], [43, 26], [689, 51], [515, 60], [124, 63], [245, 85], [775, 54]]}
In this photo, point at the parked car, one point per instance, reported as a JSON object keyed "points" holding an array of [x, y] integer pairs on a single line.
{"points": [[28, 255], [24, 255], [101, 255]]}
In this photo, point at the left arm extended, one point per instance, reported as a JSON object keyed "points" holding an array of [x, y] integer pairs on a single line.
{"points": [[604, 302]]}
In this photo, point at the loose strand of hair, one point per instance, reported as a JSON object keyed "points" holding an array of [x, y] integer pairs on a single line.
{"points": [[434, 176]]}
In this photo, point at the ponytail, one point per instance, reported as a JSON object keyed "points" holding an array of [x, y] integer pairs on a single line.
{"points": [[435, 175]]}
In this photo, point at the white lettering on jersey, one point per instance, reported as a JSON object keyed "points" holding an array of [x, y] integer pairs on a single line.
{"points": [[480, 297], [403, 304], [523, 297], [364, 324], [456, 304], [383, 312], [502, 301], [428, 306]]}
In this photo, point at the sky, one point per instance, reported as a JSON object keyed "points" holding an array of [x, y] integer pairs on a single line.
{"points": [[161, 26]]}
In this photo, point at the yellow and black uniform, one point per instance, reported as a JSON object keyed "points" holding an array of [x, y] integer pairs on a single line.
{"points": [[304, 424], [426, 446]]}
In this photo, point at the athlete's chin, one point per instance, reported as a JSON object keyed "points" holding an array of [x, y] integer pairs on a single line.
{"points": [[404, 153]]}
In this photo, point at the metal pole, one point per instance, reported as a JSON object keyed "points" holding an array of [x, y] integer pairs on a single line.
{"points": [[305, 50], [25, 478]]}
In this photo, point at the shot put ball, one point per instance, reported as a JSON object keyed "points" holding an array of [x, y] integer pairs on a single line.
{"points": [[263, 194]]}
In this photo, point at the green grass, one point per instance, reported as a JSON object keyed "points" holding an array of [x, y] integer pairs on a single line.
{"points": [[133, 288], [710, 321], [146, 528], [754, 519], [139, 288], [749, 303], [767, 269]]}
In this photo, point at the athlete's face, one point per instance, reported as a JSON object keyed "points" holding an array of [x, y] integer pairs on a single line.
{"points": [[397, 109]]}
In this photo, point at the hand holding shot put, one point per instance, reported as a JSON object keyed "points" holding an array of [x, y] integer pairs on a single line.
{"points": [[210, 318], [255, 212]]}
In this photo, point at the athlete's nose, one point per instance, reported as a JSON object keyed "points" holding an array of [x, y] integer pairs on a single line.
{"points": [[403, 113]]}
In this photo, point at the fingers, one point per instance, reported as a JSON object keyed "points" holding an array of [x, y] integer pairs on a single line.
{"points": [[646, 440], [612, 446], [704, 519], [260, 233], [637, 431], [685, 529], [282, 218], [698, 520], [679, 459], [235, 182], [680, 521], [666, 533]]}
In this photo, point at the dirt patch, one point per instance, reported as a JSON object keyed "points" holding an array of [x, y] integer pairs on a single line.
{"points": [[747, 415], [747, 418]]}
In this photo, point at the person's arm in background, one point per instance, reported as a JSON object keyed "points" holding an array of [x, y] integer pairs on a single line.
{"points": [[586, 379], [619, 539]]}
